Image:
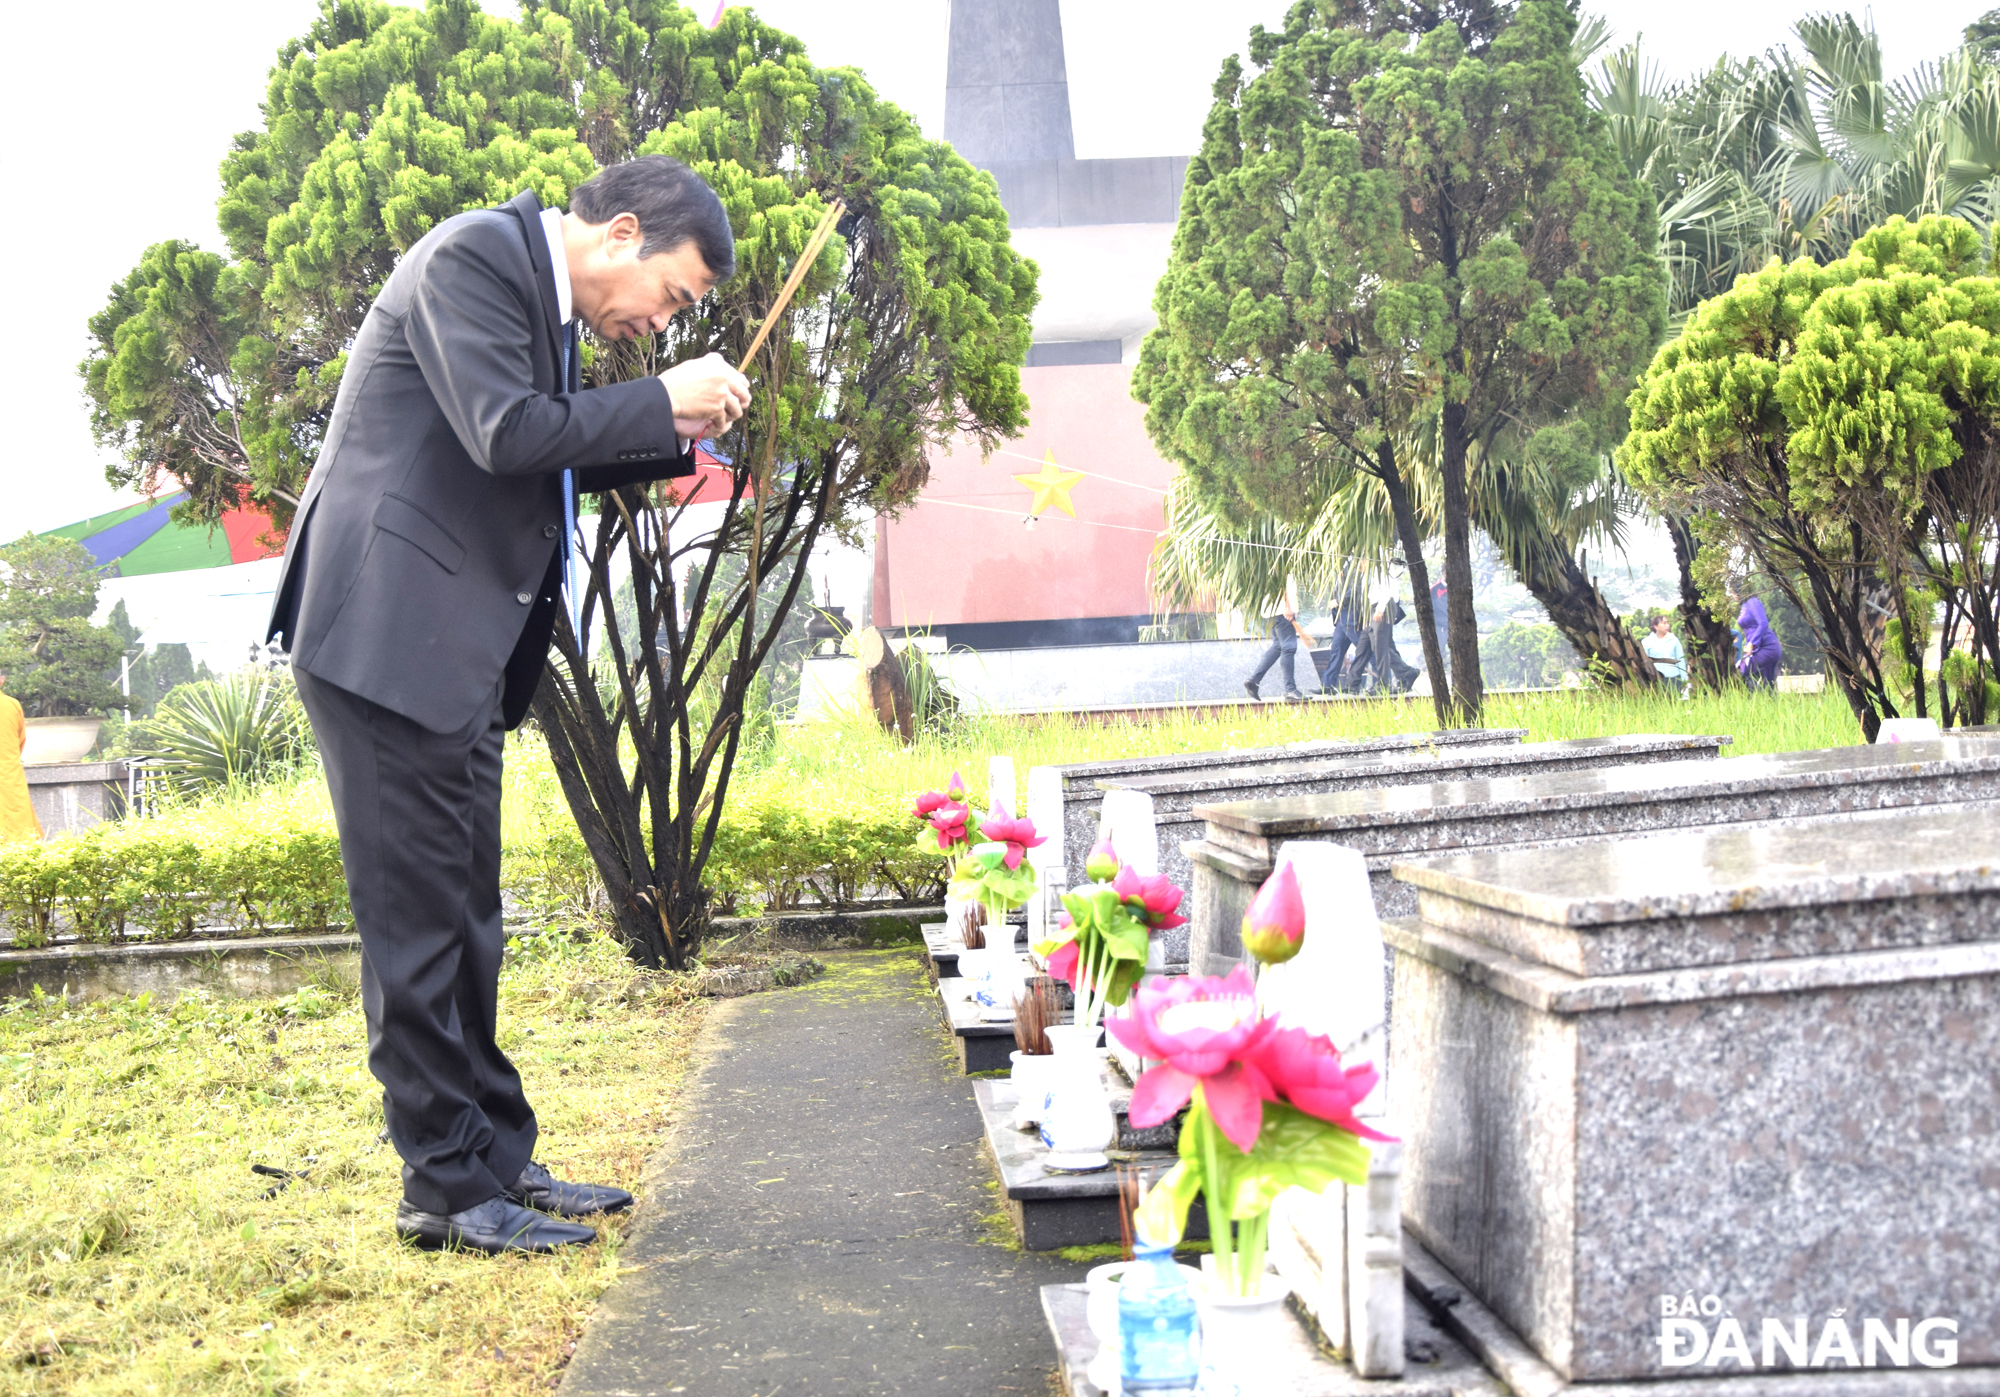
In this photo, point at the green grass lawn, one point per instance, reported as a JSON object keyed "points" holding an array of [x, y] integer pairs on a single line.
{"points": [[852, 759], [137, 1254]]}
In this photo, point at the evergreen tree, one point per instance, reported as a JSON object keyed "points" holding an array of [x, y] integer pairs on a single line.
{"points": [[1408, 225], [382, 121], [54, 658]]}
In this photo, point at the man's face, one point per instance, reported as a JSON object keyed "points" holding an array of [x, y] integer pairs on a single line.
{"points": [[621, 295]]}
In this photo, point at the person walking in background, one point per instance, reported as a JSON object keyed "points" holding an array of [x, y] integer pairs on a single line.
{"points": [[1283, 614], [17, 812], [1392, 673], [1350, 631], [1664, 649], [1762, 654]]}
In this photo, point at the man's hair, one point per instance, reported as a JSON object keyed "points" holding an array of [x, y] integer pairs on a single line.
{"points": [[672, 203]]}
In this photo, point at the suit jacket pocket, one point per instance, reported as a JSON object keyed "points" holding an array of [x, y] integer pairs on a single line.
{"points": [[398, 516]]}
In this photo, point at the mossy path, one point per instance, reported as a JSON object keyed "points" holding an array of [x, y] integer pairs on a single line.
{"points": [[815, 1224]]}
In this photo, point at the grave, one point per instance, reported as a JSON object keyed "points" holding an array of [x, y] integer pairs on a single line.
{"points": [[1403, 822], [1063, 800], [982, 1045], [1748, 1063], [1176, 794]]}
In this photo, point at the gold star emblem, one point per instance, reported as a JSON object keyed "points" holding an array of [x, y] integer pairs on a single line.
{"points": [[1051, 484]]}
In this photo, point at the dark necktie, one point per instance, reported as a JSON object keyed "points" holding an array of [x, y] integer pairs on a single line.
{"points": [[569, 507]]}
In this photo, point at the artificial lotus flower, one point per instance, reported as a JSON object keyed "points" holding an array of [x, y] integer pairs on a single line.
{"points": [[1102, 865], [956, 789], [1064, 961], [1304, 1070], [1203, 1031], [1150, 896], [929, 801], [1017, 834], [949, 821], [1275, 925]]}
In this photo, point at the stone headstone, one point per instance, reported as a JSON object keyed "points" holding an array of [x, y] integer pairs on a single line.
{"points": [[1000, 784], [1127, 822], [1752, 1064], [1045, 810], [1334, 985]]}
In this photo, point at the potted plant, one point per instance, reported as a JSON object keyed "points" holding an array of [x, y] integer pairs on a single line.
{"points": [[58, 665], [1271, 1107]]}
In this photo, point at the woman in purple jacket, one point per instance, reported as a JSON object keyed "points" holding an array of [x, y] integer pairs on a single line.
{"points": [[1761, 651]]}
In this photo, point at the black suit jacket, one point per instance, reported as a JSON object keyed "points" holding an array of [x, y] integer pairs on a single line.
{"points": [[423, 564]]}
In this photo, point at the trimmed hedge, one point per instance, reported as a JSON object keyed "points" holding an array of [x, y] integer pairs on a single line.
{"points": [[173, 875], [177, 874]]}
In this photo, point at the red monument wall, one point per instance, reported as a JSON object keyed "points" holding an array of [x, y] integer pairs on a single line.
{"points": [[961, 557]]}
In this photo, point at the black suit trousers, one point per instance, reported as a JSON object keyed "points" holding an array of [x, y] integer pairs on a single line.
{"points": [[419, 820]]}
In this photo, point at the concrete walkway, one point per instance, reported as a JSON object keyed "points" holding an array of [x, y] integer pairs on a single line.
{"points": [[815, 1226]]}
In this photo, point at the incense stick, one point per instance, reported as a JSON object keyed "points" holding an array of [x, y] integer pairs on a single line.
{"points": [[805, 262]]}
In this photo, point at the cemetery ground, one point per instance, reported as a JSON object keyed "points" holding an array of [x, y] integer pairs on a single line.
{"points": [[140, 1254]]}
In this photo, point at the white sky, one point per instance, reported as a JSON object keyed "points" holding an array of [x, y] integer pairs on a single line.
{"points": [[126, 151]]}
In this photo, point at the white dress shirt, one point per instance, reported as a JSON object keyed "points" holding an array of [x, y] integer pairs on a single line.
{"points": [[559, 259]]}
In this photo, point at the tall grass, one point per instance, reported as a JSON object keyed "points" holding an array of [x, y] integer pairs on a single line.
{"points": [[850, 758]]}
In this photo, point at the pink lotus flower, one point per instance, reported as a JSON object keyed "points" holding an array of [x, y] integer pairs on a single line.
{"points": [[1017, 834], [1203, 1030], [929, 801], [955, 790], [1150, 896], [1276, 922], [949, 820], [1304, 1070], [1064, 961], [1102, 865]]}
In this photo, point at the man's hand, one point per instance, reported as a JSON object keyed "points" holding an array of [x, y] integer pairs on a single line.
{"points": [[708, 394]]}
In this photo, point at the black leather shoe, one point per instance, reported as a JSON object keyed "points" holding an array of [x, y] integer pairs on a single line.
{"points": [[542, 1191], [496, 1225]]}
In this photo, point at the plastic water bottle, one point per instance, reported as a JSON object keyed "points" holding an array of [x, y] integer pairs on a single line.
{"points": [[1158, 1334]]}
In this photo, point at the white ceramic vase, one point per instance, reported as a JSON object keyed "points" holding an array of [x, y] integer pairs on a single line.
{"points": [[1238, 1333], [1031, 1078], [1077, 1124]]}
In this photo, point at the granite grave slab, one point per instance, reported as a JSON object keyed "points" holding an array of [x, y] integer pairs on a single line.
{"points": [[1066, 798], [1755, 1064], [1403, 822], [1175, 794]]}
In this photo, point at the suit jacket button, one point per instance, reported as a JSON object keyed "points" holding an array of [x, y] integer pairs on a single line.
{"points": [[524, 597], [548, 531]]}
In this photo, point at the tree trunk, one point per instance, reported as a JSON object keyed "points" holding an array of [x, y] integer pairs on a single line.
{"points": [[1468, 690], [882, 687], [1420, 578], [1586, 620], [1708, 640]]}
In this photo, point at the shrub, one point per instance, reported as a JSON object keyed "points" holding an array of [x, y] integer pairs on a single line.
{"points": [[175, 874], [236, 730]]}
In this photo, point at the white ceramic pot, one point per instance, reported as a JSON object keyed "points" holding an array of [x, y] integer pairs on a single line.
{"points": [[1077, 1124], [55, 741], [1031, 1079], [1238, 1333]]}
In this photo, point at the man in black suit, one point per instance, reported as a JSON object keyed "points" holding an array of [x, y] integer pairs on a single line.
{"points": [[418, 596]]}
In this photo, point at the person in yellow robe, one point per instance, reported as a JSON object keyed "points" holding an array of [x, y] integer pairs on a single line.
{"points": [[17, 813]]}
